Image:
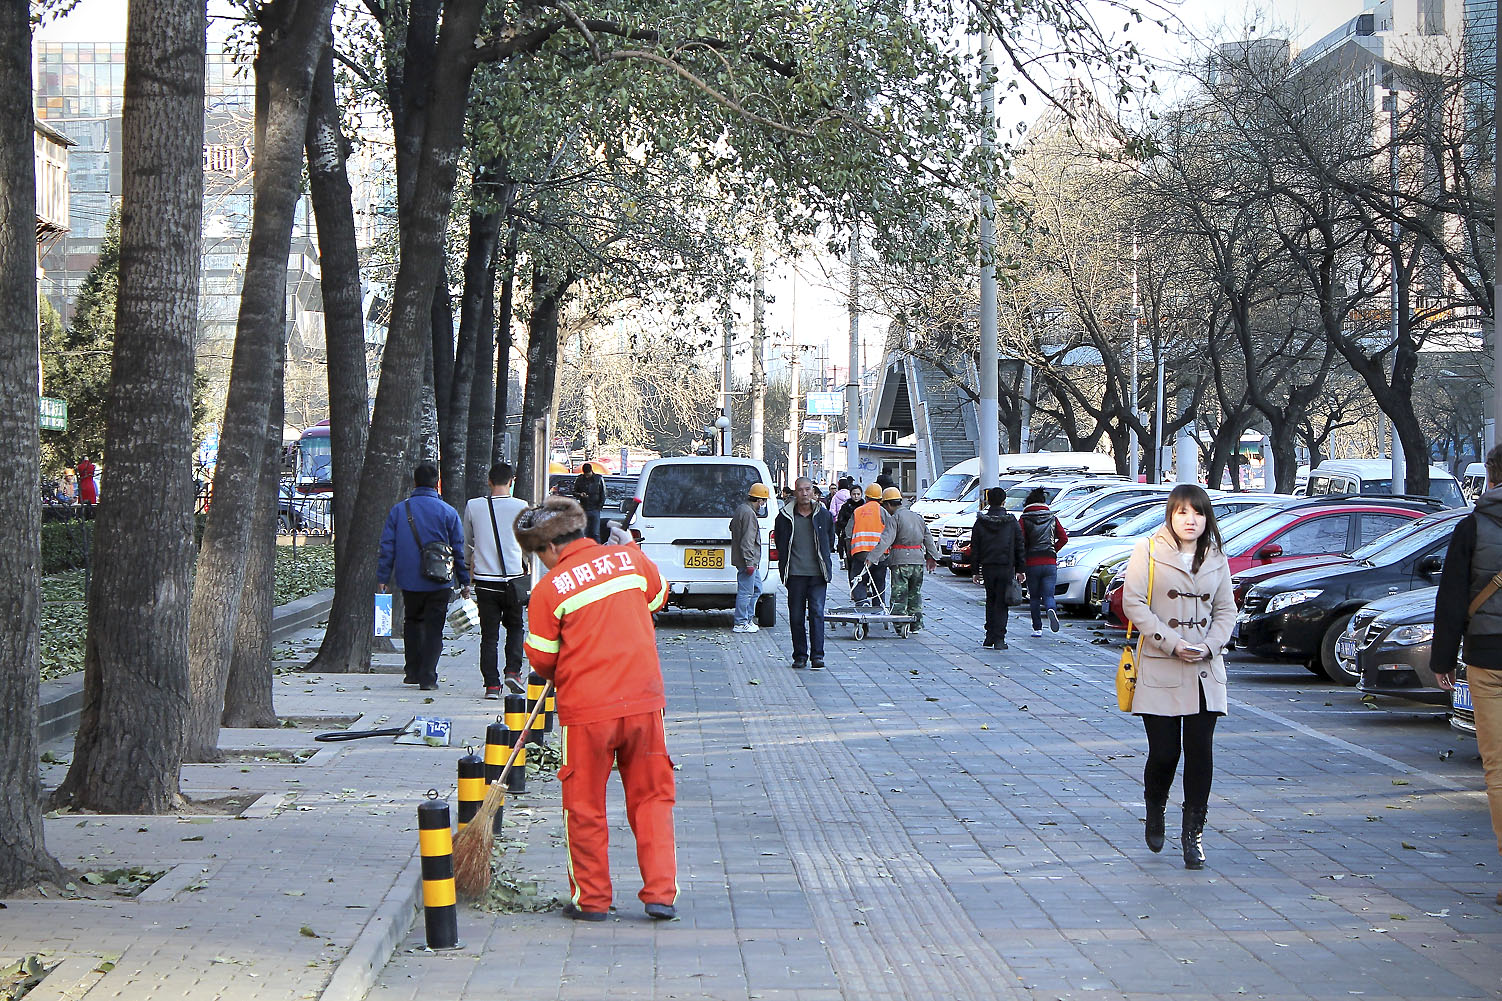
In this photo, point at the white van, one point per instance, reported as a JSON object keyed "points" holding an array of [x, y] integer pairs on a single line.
{"points": [[681, 520], [1473, 481], [950, 492], [1374, 476]]}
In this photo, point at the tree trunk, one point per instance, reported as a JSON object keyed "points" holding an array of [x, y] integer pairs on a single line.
{"points": [[397, 397], [291, 40], [503, 345], [343, 323], [443, 367], [247, 694], [542, 361], [130, 741], [23, 853], [479, 265], [482, 395]]}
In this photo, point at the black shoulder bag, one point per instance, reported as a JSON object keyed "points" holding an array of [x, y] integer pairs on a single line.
{"points": [[435, 560], [518, 589]]}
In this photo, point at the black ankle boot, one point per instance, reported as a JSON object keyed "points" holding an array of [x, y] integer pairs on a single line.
{"points": [[1155, 821], [1192, 834]]}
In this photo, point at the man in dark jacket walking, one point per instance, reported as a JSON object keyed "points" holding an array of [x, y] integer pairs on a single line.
{"points": [[589, 491], [803, 536], [1469, 604], [421, 520], [996, 547]]}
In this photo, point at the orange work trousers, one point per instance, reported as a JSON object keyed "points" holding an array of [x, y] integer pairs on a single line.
{"points": [[639, 746]]}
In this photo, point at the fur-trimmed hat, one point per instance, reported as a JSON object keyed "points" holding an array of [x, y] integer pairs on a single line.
{"points": [[556, 517]]}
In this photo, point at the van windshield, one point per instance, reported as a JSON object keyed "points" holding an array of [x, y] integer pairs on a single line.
{"points": [[695, 490], [948, 487]]}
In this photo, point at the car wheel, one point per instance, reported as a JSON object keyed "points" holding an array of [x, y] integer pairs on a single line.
{"points": [[766, 611], [1327, 658]]}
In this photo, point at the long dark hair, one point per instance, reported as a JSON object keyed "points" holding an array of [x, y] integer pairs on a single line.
{"points": [[1194, 496]]}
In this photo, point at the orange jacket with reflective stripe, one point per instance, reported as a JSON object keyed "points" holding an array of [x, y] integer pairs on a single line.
{"points": [[865, 532], [589, 629]]}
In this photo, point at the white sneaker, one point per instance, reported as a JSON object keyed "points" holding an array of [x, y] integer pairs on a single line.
{"points": [[742, 627], [1037, 633], [1053, 620], [752, 627]]}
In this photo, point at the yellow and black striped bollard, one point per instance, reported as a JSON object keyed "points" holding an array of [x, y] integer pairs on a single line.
{"points": [[471, 786], [536, 685], [435, 842], [516, 723], [496, 751], [550, 709]]}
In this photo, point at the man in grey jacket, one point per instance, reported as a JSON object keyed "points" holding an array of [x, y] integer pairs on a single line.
{"points": [[745, 556], [908, 548], [495, 560]]}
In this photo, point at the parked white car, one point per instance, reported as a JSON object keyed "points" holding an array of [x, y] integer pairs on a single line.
{"points": [[681, 520]]}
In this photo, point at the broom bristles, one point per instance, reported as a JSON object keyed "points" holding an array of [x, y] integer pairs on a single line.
{"points": [[472, 845]]}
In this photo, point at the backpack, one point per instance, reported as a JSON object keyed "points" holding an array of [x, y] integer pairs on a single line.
{"points": [[435, 560]]}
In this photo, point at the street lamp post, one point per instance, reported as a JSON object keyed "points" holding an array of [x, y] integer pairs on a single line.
{"points": [[990, 375]]}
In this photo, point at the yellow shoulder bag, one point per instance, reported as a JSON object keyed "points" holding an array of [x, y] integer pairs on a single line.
{"points": [[1126, 669]]}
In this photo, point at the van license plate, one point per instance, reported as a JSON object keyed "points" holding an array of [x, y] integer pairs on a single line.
{"points": [[704, 559], [1461, 697]]}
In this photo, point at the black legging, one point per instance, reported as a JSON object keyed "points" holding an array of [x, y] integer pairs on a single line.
{"points": [[1165, 736]]}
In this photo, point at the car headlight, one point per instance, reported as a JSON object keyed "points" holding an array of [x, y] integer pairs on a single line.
{"points": [[1069, 561], [1419, 632], [1290, 598]]}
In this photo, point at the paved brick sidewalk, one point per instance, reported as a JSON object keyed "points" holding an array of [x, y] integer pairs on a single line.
{"points": [[928, 819], [923, 820]]}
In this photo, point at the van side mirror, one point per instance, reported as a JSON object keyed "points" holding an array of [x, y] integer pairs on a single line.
{"points": [[1272, 551], [1431, 565]]}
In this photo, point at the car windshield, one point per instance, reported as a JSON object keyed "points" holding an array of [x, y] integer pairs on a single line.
{"points": [[1405, 540], [1017, 495], [697, 490], [1103, 500], [1233, 523], [950, 486], [1147, 521]]}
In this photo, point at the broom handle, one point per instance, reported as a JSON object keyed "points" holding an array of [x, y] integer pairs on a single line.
{"points": [[526, 730]]}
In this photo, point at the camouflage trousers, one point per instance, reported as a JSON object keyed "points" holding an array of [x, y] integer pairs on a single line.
{"points": [[907, 592]]}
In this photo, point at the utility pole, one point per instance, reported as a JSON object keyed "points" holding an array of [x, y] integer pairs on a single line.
{"points": [[853, 377], [758, 346], [1132, 395], [1025, 431], [729, 335], [795, 420], [1160, 458], [990, 376], [1390, 105]]}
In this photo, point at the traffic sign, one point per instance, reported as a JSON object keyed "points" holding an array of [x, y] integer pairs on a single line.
{"points": [[815, 427], [825, 404], [53, 415]]}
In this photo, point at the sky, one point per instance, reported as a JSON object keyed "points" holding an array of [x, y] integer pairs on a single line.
{"points": [[812, 285]]}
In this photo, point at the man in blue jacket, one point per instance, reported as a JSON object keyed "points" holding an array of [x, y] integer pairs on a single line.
{"points": [[423, 520], [804, 539]]}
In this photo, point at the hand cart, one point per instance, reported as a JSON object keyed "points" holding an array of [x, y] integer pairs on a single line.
{"points": [[863, 617]]}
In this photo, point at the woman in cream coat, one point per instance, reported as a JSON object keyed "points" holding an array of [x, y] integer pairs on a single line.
{"points": [[1181, 676]]}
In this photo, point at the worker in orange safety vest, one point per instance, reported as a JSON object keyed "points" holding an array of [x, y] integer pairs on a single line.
{"points": [[870, 520], [589, 631]]}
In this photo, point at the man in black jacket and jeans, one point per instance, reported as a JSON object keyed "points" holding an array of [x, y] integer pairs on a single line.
{"points": [[1473, 570], [589, 491], [996, 547]]}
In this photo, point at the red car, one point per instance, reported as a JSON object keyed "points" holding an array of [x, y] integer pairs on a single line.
{"points": [[1320, 527]]}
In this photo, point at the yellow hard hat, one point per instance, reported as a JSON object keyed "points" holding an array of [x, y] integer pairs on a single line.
{"points": [[760, 490], [891, 494], [873, 491]]}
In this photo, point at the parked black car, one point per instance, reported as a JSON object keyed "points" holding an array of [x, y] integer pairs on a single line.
{"points": [[1387, 646], [1302, 614]]}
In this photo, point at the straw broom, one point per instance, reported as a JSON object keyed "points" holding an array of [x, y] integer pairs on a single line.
{"points": [[472, 845]]}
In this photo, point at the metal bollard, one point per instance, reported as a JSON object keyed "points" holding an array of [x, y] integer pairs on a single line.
{"points": [[516, 779], [435, 842], [495, 751], [471, 786], [549, 710], [536, 684]]}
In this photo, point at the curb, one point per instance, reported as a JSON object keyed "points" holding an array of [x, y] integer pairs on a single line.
{"points": [[61, 701], [373, 947]]}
